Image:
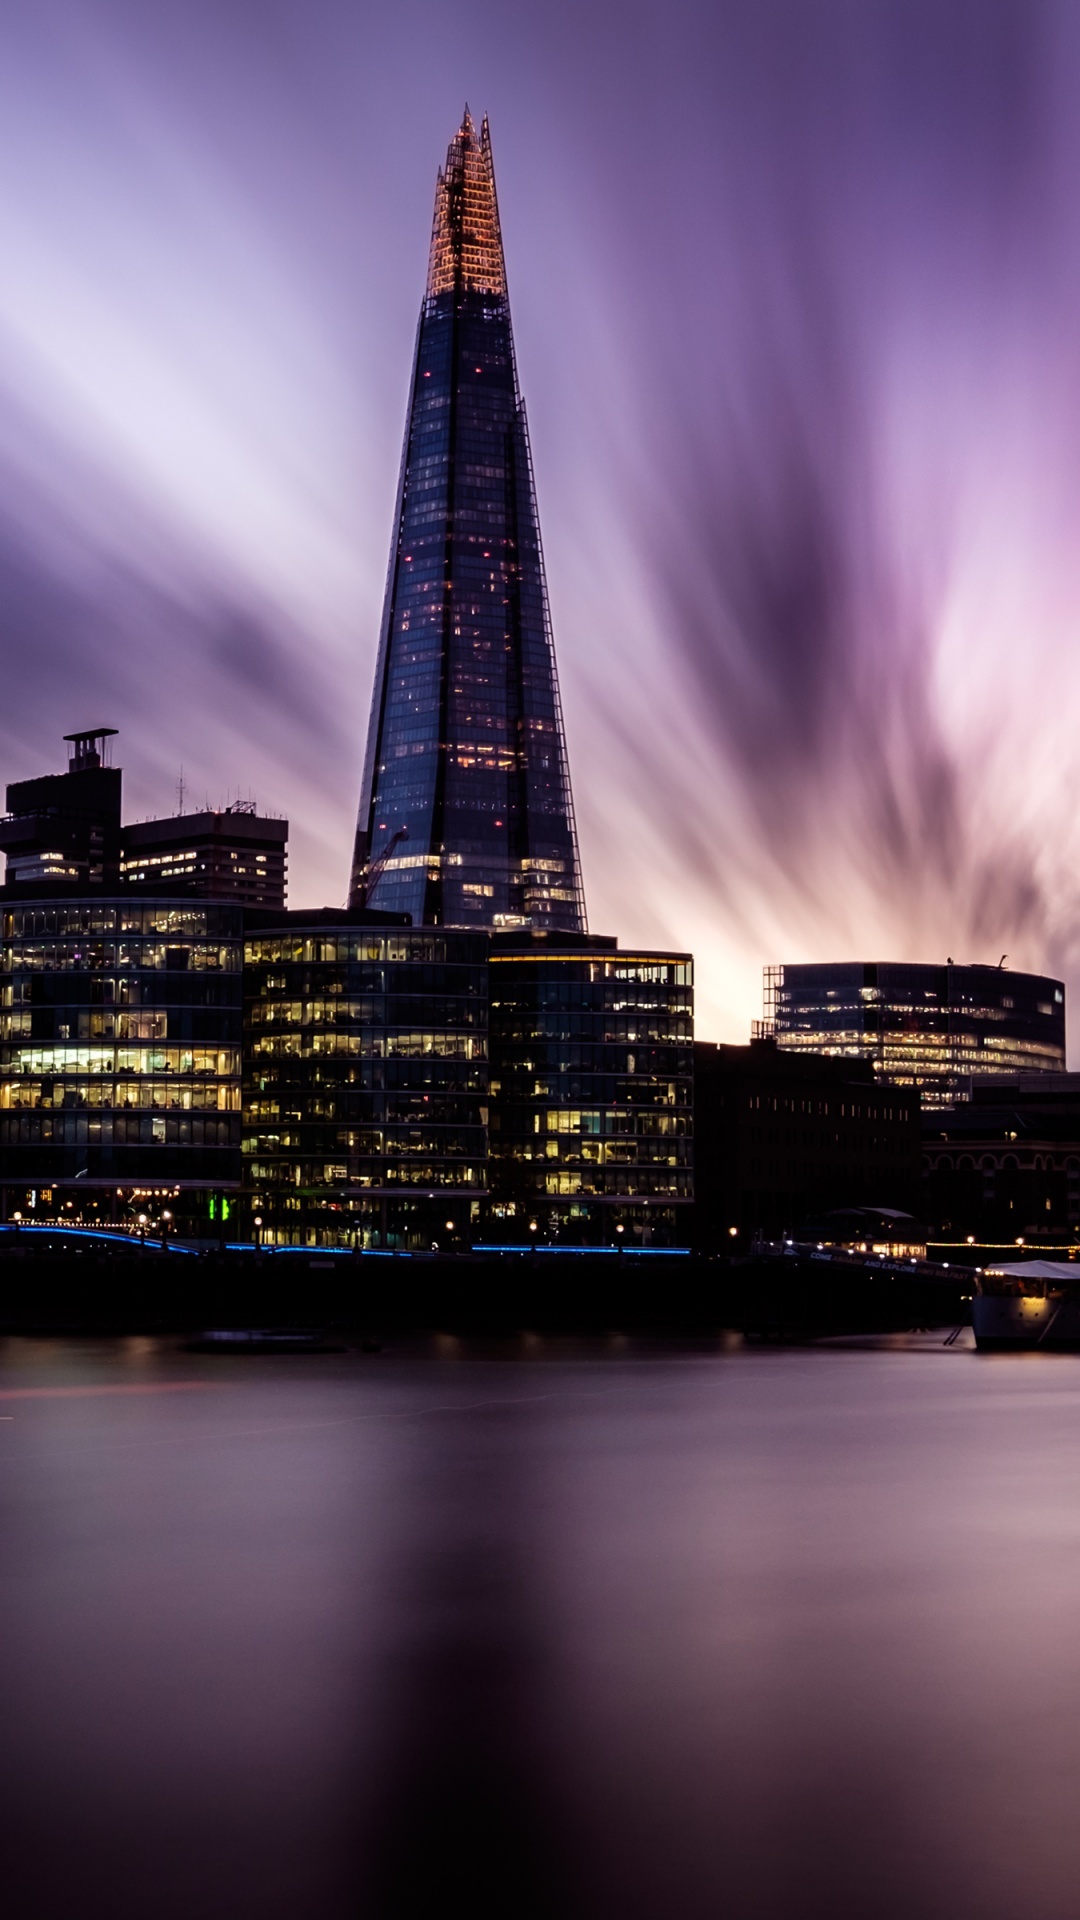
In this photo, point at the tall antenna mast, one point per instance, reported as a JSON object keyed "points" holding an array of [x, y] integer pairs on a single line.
{"points": [[180, 791]]}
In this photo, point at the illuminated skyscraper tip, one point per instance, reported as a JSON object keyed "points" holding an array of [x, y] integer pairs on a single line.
{"points": [[466, 244], [466, 816]]}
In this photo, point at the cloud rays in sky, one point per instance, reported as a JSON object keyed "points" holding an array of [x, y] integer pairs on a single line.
{"points": [[796, 299]]}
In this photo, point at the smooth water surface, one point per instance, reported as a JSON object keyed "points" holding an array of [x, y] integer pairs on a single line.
{"points": [[604, 1631]]}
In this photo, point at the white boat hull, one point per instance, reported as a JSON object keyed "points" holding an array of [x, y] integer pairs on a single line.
{"points": [[1011, 1322]]}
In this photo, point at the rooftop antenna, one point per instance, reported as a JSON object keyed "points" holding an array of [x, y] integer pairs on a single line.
{"points": [[180, 791], [1002, 961]]}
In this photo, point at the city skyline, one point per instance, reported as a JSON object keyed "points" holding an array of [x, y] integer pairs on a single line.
{"points": [[795, 303]]}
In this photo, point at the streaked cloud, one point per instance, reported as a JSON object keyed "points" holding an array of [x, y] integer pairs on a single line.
{"points": [[796, 294]]}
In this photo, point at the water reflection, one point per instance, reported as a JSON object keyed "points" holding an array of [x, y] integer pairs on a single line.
{"points": [[466, 1809], [773, 1635]]}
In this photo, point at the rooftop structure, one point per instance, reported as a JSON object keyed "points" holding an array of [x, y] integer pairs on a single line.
{"points": [[64, 828], [466, 817]]}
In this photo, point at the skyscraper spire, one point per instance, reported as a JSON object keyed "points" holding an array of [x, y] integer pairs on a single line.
{"points": [[465, 771], [466, 244]]}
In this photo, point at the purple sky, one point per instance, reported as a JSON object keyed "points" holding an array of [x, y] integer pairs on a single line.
{"points": [[796, 289]]}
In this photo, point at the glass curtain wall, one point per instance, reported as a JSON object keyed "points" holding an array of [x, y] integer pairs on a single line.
{"points": [[466, 755], [120, 1037], [591, 1097], [935, 1028], [366, 1085]]}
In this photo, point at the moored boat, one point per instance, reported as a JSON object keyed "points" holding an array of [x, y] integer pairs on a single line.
{"points": [[1027, 1304]]}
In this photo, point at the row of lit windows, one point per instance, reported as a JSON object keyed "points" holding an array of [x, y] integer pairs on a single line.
{"points": [[221, 1096], [82, 957], [343, 948], [599, 1120], [91, 1026], [387, 1012], [372, 1046], [427, 1173], [406, 1144], [579, 1151], [119, 1128], [190, 922], [224, 1062], [628, 1181]]}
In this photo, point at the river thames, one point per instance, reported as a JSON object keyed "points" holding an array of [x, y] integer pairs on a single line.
{"points": [[538, 1629]]}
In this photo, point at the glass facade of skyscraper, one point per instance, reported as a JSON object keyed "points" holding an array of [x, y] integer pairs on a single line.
{"points": [[120, 1035], [466, 816], [935, 1028], [591, 1093], [366, 1082]]}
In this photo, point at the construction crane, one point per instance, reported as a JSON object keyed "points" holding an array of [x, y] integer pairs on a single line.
{"points": [[372, 871]]}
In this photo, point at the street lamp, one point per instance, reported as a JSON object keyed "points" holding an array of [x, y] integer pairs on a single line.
{"points": [[142, 1228], [166, 1222], [257, 1224]]}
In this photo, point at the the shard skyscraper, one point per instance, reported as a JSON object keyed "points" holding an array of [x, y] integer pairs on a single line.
{"points": [[466, 817]]}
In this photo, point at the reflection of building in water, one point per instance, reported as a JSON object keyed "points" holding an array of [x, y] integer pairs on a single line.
{"points": [[591, 1091], [120, 1034], [366, 1080], [1006, 1165], [935, 1028]]}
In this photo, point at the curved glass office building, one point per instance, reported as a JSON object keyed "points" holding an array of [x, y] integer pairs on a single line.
{"points": [[935, 1028]]}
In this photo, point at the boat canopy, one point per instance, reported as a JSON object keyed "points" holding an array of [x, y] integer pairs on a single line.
{"points": [[1040, 1270]]}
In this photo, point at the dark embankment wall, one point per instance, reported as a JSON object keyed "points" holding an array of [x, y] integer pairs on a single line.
{"points": [[91, 1292]]}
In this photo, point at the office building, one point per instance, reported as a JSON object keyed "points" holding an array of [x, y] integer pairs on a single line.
{"points": [[940, 1029], [366, 1080], [781, 1137], [120, 1038], [63, 829], [1005, 1166], [466, 817], [591, 1092], [230, 853]]}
